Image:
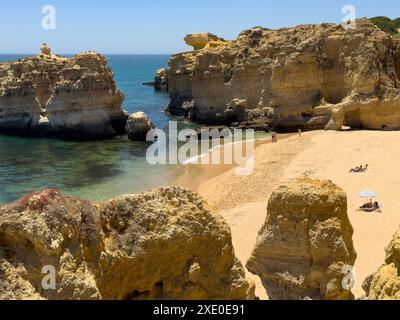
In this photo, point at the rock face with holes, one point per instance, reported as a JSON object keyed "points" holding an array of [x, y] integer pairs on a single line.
{"points": [[53, 96], [306, 243], [310, 76], [385, 283], [162, 244]]}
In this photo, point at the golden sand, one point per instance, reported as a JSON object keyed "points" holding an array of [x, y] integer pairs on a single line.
{"points": [[325, 155]]}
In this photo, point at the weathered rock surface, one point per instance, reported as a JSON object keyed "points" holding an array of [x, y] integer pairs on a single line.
{"points": [[305, 242], [310, 76], [161, 80], [385, 283], [163, 244], [138, 125], [45, 49], [202, 40], [60, 97]]}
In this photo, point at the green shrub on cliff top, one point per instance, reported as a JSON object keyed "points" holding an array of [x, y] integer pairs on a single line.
{"points": [[386, 24]]}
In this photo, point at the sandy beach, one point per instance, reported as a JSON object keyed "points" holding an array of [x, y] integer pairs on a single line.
{"points": [[325, 155]]}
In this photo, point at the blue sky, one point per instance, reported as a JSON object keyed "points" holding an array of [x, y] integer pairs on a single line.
{"points": [[158, 26]]}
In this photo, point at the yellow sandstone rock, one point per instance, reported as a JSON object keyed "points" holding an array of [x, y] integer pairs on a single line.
{"points": [[203, 40], [162, 244], [306, 243], [385, 283], [311, 76], [45, 49], [53, 96]]}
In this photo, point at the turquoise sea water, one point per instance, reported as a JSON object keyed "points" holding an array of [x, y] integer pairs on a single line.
{"points": [[96, 170]]}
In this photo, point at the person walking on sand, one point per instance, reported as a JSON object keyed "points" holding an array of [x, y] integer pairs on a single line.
{"points": [[274, 136], [300, 132]]}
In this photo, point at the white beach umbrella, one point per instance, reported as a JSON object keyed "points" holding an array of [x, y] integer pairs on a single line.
{"points": [[367, 194]]}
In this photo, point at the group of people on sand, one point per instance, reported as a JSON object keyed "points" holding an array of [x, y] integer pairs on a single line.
{"points": [[371, 206], [359, 169]]}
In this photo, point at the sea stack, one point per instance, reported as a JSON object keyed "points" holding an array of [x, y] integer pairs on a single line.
{"points": [[310, 76], [305, 247], [163, 244], [51, 96], [161, 80], [138, 126]]}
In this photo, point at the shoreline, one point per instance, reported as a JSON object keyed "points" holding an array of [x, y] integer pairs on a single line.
{"points": [[195, 175]]}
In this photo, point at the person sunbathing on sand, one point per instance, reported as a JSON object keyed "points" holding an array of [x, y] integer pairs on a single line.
{"points": [[359, 169], [367, 205], [371, 206]]}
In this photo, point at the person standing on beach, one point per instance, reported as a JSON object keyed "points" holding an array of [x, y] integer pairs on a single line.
{"points": [[300, 132], [274, 136]]}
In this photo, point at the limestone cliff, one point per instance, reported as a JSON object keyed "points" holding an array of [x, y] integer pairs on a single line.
{"points": [[162, 244], [60, 97], [310, 76], [305, 243], [385, 283]]}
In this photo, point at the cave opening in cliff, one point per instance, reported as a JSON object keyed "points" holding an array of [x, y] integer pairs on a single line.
{"points": [[334, 86], [352, 119], [334, 93]]}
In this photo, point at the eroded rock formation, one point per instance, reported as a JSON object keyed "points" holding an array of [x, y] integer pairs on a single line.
{"points": [[163, 244], [305, 243], [138, 125], [45, 49], [309, 76], [203, 40], [161, 80], [385, 283], [53, 96]]}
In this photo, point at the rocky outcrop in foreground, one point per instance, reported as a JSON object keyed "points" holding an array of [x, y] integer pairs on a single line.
{"points": [[163, 244], [309, 76], [385, 283], [73, 98], [305, 242]]}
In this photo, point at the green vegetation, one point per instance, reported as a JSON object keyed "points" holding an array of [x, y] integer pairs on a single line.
{"points": [[386, 24]]}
